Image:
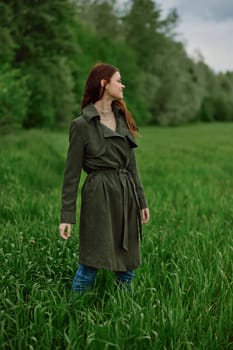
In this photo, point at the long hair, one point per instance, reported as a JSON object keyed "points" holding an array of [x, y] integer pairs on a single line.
{"points": [[93, 92]]}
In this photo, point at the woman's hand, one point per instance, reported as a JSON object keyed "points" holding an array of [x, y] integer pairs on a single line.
{"points": [[145, 215], [65, 230]]}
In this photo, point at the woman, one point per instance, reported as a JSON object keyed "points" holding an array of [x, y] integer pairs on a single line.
{"points": [[113, 205]]}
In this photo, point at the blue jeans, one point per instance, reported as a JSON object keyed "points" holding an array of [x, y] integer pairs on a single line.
{"points": [[85, 277]]}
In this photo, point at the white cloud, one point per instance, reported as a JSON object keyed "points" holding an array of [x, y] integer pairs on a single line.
{"points": [[212, 9]]}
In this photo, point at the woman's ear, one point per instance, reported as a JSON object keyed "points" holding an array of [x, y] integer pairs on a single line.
{"points": [[102, 82]]}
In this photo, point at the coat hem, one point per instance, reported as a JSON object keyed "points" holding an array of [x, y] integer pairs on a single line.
{"points": [[109, 268]]}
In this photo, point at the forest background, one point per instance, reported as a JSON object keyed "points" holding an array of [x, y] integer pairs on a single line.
{"points": [[48, 48]]}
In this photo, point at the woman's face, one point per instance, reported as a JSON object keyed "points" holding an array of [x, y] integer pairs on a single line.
{"points": [[115, 87]]}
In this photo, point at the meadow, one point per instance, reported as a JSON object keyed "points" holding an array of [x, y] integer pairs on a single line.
{"points": [[182, 297]]}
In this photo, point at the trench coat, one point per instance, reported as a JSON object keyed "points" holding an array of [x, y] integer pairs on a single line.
{"points": [[112, 194]]}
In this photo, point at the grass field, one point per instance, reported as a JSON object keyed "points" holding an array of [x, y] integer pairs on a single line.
{"points": [[182, 296]]}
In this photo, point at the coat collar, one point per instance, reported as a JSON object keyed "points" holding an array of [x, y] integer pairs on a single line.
{"points": [[89, 112]]}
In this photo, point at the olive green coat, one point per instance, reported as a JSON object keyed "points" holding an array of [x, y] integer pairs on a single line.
{"points": [[112, 194]]}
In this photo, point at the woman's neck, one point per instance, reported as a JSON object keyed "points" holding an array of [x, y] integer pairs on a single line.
{"points": [[104, 105]]}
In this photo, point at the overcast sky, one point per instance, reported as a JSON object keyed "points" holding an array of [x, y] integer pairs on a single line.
{"points": [[207, 26]]}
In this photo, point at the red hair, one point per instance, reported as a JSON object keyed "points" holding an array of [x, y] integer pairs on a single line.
{"points": [[93, 92]]}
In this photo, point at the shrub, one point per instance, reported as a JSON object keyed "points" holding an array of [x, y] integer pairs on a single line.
{"points": [[13, 96]]}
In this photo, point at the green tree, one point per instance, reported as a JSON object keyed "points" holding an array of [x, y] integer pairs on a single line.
{"points": [[142, 25], [39, 41], [101, 17], [13, 96]]}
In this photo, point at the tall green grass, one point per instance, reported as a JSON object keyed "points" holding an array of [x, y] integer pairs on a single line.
{"points": [[182, 296]]}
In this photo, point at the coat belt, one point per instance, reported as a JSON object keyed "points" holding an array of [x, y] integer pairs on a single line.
{"points": [[125, 176]]}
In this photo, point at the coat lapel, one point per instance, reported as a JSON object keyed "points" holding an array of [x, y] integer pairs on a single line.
{"points": [[90, 112], [124, 131]]}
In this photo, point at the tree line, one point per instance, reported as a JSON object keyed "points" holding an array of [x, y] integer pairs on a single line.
{"points": [[48, 48]]}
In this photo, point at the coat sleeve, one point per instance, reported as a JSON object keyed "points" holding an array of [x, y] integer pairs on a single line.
{"points": [[132, 167], [73, 168]]}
